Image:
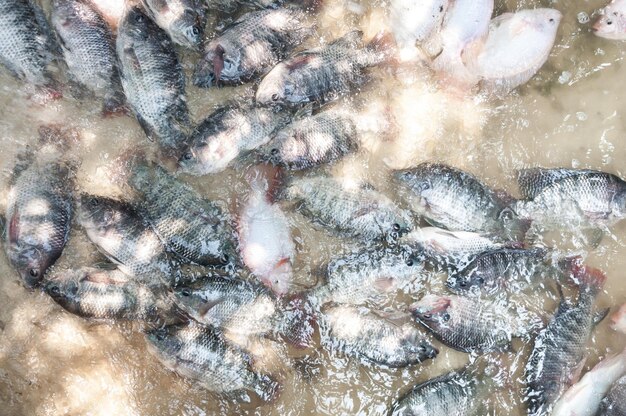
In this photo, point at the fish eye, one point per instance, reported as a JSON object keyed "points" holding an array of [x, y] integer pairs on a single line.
{"points": [[195, 30], [160, 335], [275, 97], [445, 317], [421, 349], [396, 227], [551, 20], [188, 156], [609, 22], [480, 280], [409, 262], [225, 259], [33, 272], [463, 283], [427, 316], [185, 291], [138, 18], [55, 290], [274, 152]]}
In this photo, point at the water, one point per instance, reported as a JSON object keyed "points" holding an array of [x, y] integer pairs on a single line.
{"points": [[569, 114]]}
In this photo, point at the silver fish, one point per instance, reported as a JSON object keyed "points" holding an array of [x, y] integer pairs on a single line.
{"points": [[183, 20], [153, 79], [360, 333], [251, 45]]}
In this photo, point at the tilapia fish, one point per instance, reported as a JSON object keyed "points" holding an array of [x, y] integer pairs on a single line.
{"points": [[95, 293], [321, 74], [450, 198], [571, 198], [119, 232], [183, 20], [415, 22], [505, 269], [517, 46], [39, 207], [459, 393], [89, 50], [200, 354], [195, 228], [452, 249], [153, 79], [352, 209], [242, 308], [360, 333], [265, 241], [469, 325], [611, 24], [614, 404], [312, 141], [559, 349], [251, 45], [227, 133], [369, 275]]}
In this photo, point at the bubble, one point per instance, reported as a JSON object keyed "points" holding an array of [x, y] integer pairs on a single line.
{"points": [[583, 18]]}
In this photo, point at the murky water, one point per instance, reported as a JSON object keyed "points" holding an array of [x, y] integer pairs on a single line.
{"points": [[570, 114]]}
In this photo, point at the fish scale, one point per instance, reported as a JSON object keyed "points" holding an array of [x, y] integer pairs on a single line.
{"points": [[614, 404]]}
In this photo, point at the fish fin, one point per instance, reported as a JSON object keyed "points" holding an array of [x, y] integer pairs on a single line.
{"points": [[350, 40], [304, 112], [147, 128], [574, 375], [298, 322], [588, 278], [533, 180], [600, 315], [218, 63]]}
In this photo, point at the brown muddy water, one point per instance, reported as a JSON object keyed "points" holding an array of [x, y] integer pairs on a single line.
{"points": [[571, 114]]}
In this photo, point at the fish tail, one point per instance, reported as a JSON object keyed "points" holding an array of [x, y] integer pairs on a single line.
{"points": [[299, 322], [266, 388]]}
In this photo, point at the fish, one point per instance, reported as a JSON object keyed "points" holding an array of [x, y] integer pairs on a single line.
{"points": [[415, 22], [506, 269], [452, 249], [571, 198], [108, 294], [611, 23], [182, 20], [614, 404], [312, 141], [265, 240], [468, 325], [27, 45], [464, 27], [243, 309], [39, 205], [517, 46], [196, 229], [584, 398], [226, 134], [351, 209], [358, 332], [251, 46], [86, 41], [152, 79], [458, 393], [200, 354], [559, 349], [322, 74], [120, 233], [450, 198], [369, 276], [618, 320]]}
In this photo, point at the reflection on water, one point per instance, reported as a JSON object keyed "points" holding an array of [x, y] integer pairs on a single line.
{"points": [[569, 114]]}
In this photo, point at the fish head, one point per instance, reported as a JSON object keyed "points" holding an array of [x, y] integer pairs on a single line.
{"points": [[274, 89], [467, 282], [96, 212], [548, 19], [433, 311], [419, 184], [197, 298], [163, 341], [280, 277], [187, 29], [207, 156], [64, 290], [618, 204], [280, 149], [222, 63], [611, 24], [136, 25], [30, 262]]}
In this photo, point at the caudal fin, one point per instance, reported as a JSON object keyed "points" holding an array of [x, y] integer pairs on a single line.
{"points": [[298, 323]]}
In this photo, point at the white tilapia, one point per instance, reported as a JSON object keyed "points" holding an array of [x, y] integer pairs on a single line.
{"points": [[463, 31], [415, 22], [612, 21], [584, 397], [265, 238], [518, 44]]}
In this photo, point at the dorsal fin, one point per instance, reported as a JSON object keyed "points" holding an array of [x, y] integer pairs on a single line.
{"points": [[532, 181]]}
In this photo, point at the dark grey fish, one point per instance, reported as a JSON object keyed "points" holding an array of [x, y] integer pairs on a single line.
{"points": [[355, 210], [450, 198], [507, 269], [459, 393], [183, 20], [39, 207], [571, 198], [153, 79], [471, 325], [312, 141], [26, 46], [369, 276], [89, 50], [189, 225], [251, 45], [244, 308], [559, 349], [200, 354], [614, 404], [120, 233], [322, 74], [228, 133], [108, 294], [358, 332]]}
